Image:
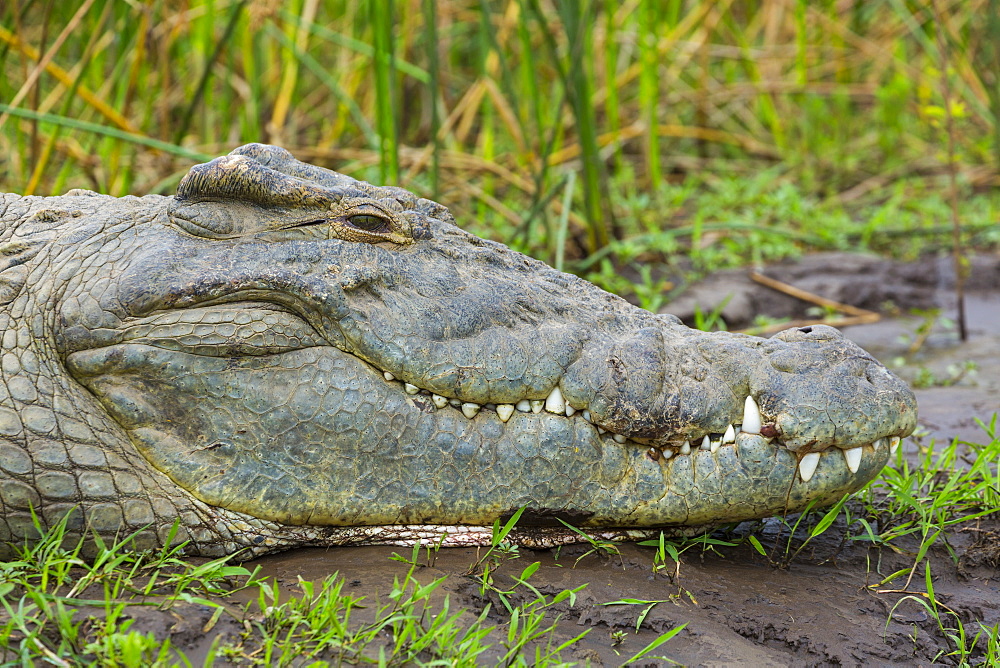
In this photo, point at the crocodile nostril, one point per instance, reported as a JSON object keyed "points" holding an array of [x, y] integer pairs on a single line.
{"points": [[769, 430], [805, 330]]}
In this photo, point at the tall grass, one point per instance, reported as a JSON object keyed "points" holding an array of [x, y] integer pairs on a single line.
{"points": [[490, 103]]}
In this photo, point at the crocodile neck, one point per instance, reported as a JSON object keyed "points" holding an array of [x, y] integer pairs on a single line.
{"points": [[59, 451]]}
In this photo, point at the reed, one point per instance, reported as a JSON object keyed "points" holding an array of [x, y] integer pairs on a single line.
{"points": [[489, 104]]}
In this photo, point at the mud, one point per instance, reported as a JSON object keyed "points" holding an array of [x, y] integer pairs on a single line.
{"points": [[739, 609], [822, 606]]}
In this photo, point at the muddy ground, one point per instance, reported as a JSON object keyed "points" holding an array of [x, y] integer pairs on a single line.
{"points": [[742, 608], [739, 607]]}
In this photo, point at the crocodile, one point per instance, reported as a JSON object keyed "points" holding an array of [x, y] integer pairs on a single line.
{"points": [[280, 355]]}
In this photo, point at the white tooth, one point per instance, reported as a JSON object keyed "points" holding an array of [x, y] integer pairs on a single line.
{"points": [[686, 448], [619, 438], [730, 435], [706, 443], [470, 409], [554, 403], [410, 389], [602, 430], [715, 446], [807, 466], [586, 415], [569, 410], [853, 458], [537, 405], [667, 453], [439, 401], [388, 376], [751, 416], [894, 442], [504, 411], [523, 405], [457, 403], [878, 443]]}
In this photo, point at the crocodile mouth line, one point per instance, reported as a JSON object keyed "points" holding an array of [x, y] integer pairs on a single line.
{"points": [[240, 327], [735, 434]]}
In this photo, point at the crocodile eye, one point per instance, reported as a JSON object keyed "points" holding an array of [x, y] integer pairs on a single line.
{"points": [[369, 223]]}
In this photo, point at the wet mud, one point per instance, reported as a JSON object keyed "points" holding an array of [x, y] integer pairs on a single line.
{"points": [[822, 606], [738, 608]]}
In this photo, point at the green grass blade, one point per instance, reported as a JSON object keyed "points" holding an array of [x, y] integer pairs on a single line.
{"points": [[105, 131]]}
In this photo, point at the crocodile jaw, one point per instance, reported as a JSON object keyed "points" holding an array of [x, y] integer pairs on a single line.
{"points": [[316, 436]]}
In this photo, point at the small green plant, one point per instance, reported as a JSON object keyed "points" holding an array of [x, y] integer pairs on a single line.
{"points": [[950, 625], [597, 545], [782, 555], [638, 601], [667, 557], [924, 377], [498, 552], [929, 320], [711, 321], [430, 551], [664, 637], [530, 623]]}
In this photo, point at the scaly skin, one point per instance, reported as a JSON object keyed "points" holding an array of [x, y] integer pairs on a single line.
{"points": [[234, 358]]}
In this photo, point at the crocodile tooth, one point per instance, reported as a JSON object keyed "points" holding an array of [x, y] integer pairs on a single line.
{"points": [[878, 443], [554, 403], [523, 405], [470, 409], [706, 443], [602, 430], [807, 466], [730, 435], [537, 405], [894, 444], [569, 410], [716, 445], [388, 376], [619, 438], [752, 420], [667, 453], [504, 411], [853, 458], [586, 415], [439, 401], [457, 403], [686, 448], [410, 389]]}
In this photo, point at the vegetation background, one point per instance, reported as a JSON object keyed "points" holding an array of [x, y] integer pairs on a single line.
{"points": [[589, 133], [607, 137]]}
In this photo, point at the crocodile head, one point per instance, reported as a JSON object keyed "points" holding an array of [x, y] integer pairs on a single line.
{"points": [[295, 350]]}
